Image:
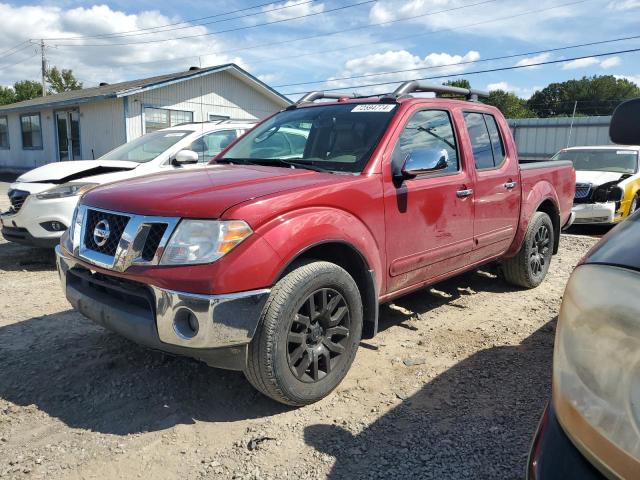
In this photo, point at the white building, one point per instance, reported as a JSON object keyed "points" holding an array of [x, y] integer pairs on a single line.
{"points": [[85, 124]]}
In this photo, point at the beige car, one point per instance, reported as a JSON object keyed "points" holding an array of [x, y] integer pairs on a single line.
{"points": [[591, 429]]}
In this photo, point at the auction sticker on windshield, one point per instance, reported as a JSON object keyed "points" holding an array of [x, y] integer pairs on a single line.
{"points": [[373, 108]]}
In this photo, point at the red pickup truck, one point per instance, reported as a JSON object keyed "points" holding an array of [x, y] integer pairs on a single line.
{"points": [[274, 259]]}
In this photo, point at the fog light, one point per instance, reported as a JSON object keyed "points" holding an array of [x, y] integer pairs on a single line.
{"points": [[53, 226], [186, 324]]}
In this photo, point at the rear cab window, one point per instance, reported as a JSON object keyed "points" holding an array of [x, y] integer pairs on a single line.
{"points": [[486, 140]]}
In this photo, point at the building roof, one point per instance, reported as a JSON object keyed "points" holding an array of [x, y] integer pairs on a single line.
{"points": [[124, 89]]}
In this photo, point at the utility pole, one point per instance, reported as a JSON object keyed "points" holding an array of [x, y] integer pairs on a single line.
{"points": [[44, 69]]}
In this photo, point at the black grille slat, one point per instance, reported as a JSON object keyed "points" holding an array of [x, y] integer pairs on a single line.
{"points": [[153, 241], [17, 199], [117, 224]]}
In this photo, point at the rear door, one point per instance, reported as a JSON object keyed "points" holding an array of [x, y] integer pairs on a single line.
{"points": [[497, 190], [429, 224]]}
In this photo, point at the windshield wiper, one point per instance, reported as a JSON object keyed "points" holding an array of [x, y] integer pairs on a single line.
{"points": [[240, 161], [274, 161]]}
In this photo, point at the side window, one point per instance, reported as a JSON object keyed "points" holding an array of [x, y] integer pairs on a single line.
{"points": [[480, 141], [430, 129], [211, 144], [496, 140]]}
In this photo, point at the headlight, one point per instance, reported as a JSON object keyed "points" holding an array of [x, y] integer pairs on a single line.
{"points": [[608, 192], [203, 241], [66, 190], [75, 228], [596, 366]]}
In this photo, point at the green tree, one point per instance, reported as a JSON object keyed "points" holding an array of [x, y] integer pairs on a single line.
{"points": [[509, 104], [62, 80], [460, 83], [7, 95], [596, 95], [26, 90]]}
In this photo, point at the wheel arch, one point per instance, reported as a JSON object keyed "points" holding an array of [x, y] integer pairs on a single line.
{"points": [[549, 207], [346, 256]]}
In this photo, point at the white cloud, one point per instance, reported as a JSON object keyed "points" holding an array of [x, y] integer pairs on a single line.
{"points": [[503, 21], [632, 78], [502, 86], [623, 5], [294, 9], [580, 63], [95, 64], [592, 61], [526, 62], [394, 60], [610, 62]]}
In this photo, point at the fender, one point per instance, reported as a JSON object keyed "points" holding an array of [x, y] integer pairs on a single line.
{"points": [[294, 232], [541, 191]]}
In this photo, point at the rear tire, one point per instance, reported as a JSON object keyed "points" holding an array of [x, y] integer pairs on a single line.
{"points": [[530, 265], [308, 335]]}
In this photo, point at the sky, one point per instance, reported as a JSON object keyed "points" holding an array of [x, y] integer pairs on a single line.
{"points": [[292, 43]]}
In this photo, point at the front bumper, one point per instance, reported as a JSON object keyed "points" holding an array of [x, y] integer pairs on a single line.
{"points": [[595, 213], [213, 328], [26, 225], [553, 455]]}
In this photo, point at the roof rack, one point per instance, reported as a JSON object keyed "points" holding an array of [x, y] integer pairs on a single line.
{"points": [[414, 86], [313, 96]]}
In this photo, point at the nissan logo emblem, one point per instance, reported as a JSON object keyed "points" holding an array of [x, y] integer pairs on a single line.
{"points": [[101, 233]]}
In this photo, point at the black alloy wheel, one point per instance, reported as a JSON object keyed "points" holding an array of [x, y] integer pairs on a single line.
{"points": [[540, 250], [318, 335]]}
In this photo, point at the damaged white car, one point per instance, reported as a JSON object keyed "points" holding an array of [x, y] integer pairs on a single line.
{"points": [[607, 182], [43, 199]]}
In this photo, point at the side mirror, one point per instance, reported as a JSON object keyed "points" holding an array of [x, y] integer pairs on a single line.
{"points": [[185, 157], [424, 160], [625, 123]]}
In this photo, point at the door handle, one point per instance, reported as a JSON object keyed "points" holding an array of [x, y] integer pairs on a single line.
{"points": [[464, 193], [510, 185]]}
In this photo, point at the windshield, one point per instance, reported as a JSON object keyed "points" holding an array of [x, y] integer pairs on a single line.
{"points": [[147, 147], [598, 160], [332, 137]]}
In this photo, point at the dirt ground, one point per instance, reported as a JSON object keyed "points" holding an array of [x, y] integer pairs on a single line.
{"points": [[452, 387]]}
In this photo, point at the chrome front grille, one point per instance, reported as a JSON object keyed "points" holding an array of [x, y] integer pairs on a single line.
{"points": [[117, 240], [17, 199], [117, 224], [582, 190]]}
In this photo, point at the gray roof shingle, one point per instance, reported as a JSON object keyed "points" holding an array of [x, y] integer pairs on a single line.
{"points": [[125, 88]]}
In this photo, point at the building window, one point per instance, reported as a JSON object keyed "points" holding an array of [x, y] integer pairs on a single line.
{"points": [[214, 117], [159, 118], [4, 133], [31, 131]]}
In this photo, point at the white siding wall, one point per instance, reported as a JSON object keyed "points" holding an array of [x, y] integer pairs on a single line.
{"points": [[101, 127], [18, 158], [221, 94]]}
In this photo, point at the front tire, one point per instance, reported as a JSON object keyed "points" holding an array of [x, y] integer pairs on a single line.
{"points": [[308, 335], [530, 265]]}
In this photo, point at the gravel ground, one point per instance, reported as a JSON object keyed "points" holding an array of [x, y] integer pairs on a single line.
{"points": [[451, 388]]}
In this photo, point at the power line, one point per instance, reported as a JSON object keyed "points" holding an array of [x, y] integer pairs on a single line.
{"points": [[219, 32], [455, 64], [404, 37], [2, 57], [146, 31], [499, 69]]}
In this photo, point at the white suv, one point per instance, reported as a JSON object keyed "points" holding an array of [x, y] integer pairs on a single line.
{"points": [[43, 199]]}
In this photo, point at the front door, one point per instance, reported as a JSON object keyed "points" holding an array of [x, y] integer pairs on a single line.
{"points": [[68, 131], [429, 218]]}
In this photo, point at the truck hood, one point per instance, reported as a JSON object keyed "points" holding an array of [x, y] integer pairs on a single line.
{"points": [[597, 178], [200, 193], [62, 172]]}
